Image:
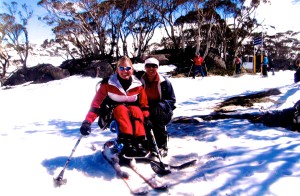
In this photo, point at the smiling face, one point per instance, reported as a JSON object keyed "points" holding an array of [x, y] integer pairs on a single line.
{"points": [[124, 68], [151, 70], [151, 66]]}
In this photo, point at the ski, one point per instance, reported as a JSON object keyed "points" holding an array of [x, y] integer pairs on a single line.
{"points": [[150, 180], [160, 167], [176, 167], [127, 179], [164, 169], [110, 154]]}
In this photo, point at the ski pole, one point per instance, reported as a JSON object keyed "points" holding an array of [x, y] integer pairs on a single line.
{"points": [[162, 165], [190, 69], [58, 181], [206, 69]]}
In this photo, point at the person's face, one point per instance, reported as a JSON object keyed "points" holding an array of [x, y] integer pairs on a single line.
{"points": [[125, 70], [151, 69]]}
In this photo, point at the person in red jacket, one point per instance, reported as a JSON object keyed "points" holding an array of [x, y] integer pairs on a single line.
{"points": [[238, 65], [126, 93], [198, 67]]}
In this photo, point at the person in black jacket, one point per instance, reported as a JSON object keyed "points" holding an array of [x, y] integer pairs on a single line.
{"points": [[297, 73], [161, 100], [271, 66]]}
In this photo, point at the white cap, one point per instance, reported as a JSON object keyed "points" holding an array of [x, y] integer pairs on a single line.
{"points": [[152, 61]]}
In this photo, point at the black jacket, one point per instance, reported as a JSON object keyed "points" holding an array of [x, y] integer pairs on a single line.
{"points": [[166, 90]]}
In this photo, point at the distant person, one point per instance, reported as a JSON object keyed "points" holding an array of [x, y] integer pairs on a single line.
{"points": [[297, 73], [265, 65], [238, 65], [271, 66], [198, 65], [161, 99], [126, 93]]}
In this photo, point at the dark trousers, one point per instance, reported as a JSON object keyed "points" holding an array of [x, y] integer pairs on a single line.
{"points": [[197, 69], [264, 70], [238, 68], [159, 118]]}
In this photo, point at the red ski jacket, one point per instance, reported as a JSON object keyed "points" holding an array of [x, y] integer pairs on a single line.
{"points": [[198, 60], [134, 95]]}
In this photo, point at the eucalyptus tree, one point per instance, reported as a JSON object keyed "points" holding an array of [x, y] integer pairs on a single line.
{"points": [[223, 29], [120, 13], [205, 25], [283, 45], [235, 23], [220, 24], [243, 25], [80, 26], [14, 32], [210, 17], [169, 11], [4, 56], [141, 25], [199, 21], [90, 28], [197, 16], [202, 34], [116, 20]]}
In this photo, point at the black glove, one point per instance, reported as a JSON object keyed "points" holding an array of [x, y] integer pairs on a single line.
{"points": [[162, 105], [148, 124], [85, 128], [159, 112]]}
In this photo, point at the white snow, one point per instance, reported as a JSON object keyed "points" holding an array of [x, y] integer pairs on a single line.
{"points": [[40, 126]]}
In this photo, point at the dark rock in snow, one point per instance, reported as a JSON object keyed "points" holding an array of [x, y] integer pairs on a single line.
{"points": [[38, 74]]}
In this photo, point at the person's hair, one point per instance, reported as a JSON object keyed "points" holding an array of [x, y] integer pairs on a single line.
{"points": [[124, 59]]}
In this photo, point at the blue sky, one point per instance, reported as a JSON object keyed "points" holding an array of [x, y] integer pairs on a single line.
{"points": [[281, 14], [38, 31]]}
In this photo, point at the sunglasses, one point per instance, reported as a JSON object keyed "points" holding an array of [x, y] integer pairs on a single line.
{"points": [[151, 65], [124, 68]]}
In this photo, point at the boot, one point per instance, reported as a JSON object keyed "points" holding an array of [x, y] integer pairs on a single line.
{"points": [[140, 143], [162, 144], [163, 150], [128, 149]]}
